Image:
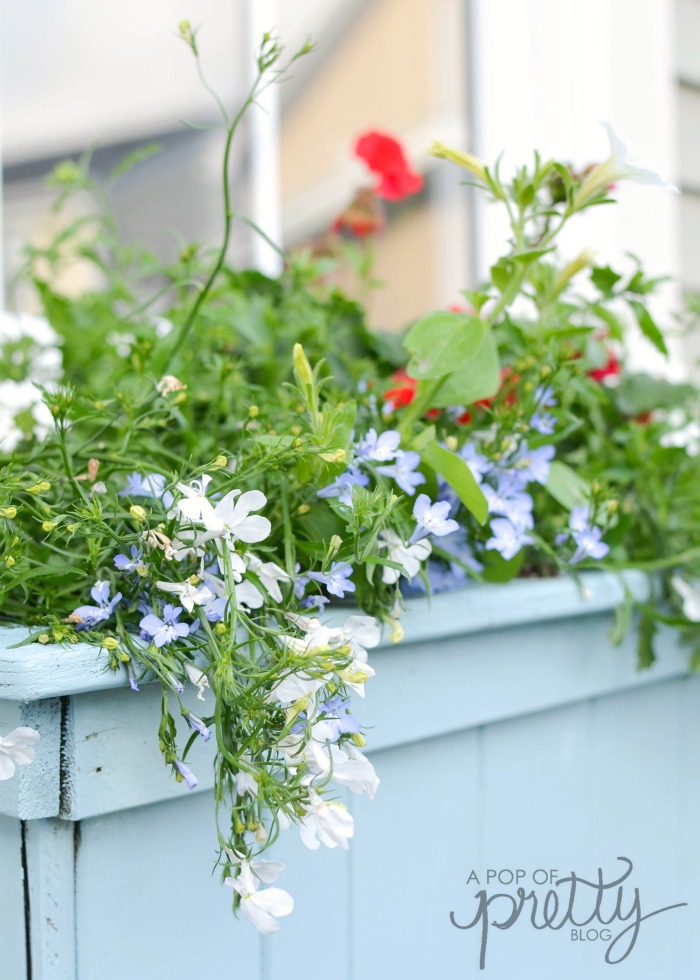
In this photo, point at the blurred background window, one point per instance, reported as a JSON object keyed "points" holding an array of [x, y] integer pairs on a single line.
{"points": [[484, 75]]}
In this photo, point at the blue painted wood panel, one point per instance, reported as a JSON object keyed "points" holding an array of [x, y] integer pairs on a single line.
{"points": [[13, 964], [516, 744]]}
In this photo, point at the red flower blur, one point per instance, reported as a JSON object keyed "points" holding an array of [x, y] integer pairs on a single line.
{"points": [[384, 157], [611, 369], [363, 216], [405, 391]]}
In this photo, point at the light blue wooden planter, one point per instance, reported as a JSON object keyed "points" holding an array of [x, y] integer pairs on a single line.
{"points": [[509, 734]]}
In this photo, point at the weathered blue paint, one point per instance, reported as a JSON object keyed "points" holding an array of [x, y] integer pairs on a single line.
{"points": [[508, 733]]}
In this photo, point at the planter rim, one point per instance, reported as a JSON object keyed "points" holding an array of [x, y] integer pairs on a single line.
{"points": [[32, 672]]}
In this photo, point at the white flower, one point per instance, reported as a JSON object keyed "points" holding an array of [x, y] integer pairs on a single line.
{"points": [[197, 678], [295, 686], [690, 594], [269, 574], [325, 823], [15, 749], [195, 499], [351, 769], [188, 594], [687, 438], [262, 906], [231, 518], [411, 556], [169, 383], [246, 783], [622, 164], [356, 674]]}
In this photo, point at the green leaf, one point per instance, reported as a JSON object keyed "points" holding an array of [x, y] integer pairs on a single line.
{"points": [[605, 279], [645, 643], [442, 342], [498, 569], [502, 273], [639, 393], [647, 325], [457, 474], [566, 486], [376, 560], [479, 378]]}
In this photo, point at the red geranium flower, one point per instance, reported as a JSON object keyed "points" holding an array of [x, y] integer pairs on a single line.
{"points": [[385, 158]]}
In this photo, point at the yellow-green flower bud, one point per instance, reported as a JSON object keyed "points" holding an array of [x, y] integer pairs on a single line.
{"points": [[221, 460], [137, 512], [357, 739], [9, 512], [124, 656], [44, 638], [110, 643], [336, 456], [451, 443], [48, 526], [142, 570], [41, 487], [253, 411], [9, 561], [220, 628], [466, 160], [302, 368], [303, 509]]}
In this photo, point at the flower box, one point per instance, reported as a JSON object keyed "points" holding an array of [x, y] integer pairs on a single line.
{"points": [[508, 733]]}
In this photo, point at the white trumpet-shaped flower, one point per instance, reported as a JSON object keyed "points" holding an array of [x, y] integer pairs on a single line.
{"points": [[270, 575], [16, 750], [624, 163]]}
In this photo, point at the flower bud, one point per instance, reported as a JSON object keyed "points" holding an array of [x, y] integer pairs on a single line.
{"points": [[124, 656], [357, 739], [451, 443], [253, 411], [303, 509], [302, 368], [48, 526], [110, 643], [9, 561], [142, 570], [220, 628], [41, 487], [137, 512], [466, 160], [44, 638], [220, 460], [9, 512], [397, 632], [336, 456], [334, 546]]}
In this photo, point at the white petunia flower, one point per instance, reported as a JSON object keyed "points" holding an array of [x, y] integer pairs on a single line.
{"points": [[16, 750], [622, 164]]}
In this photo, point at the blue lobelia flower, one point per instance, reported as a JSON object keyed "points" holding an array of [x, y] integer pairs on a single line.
{"points": [[151, 485], [336, 579], [186, 774], [125, 564], [85, 617], [404, 471], [164, 630]]}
